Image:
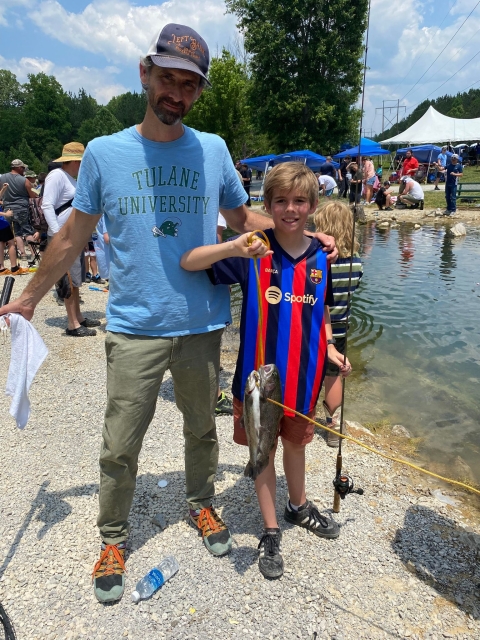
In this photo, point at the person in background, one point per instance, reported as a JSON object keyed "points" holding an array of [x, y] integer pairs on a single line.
{"points": [[383, 197], [16, 199], [327, 168], [224, 405], [327, 185], [454, 171], [355, 183], [368, 177], [7, 240], [409, 168], [412, 193], [379, 171], [58, 194], [246, 174], [335, 218], [441, 165], [101, 241], [343, 179], [91, 266]]}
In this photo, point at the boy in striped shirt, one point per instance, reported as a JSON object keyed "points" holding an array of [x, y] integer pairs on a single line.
{"points": [[295, 287]]}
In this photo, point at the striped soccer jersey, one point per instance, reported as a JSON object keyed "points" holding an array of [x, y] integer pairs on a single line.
{"points": [[294, 292], [340, 274]]}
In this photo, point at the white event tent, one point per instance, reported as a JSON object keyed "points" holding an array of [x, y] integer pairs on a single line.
{"points": [[435, 127]]}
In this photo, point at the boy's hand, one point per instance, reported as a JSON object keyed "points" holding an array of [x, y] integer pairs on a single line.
{"points": [[257, 249], [336, 357]]}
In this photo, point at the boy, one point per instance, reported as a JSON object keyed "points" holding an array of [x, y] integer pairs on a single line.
{"points": [[384, 197], [296, 289], [454, 171]]}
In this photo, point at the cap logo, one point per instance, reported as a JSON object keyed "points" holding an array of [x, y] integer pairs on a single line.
{"points": [[190, 49]]}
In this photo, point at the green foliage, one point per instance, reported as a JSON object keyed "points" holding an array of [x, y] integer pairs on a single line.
{"points": [[305, 67], [25, 153], [128, 108], [81, 107], [11, 93], [223, 109], [103, 124]]}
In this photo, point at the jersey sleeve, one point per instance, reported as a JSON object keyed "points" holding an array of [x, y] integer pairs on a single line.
{"points": [[230, 271], [88, 197]]}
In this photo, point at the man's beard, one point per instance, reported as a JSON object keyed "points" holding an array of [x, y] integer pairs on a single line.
{"points": [[163, 113]]}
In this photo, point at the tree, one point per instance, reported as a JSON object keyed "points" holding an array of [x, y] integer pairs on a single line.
{"points": [[223, 109], [25, 153], [45, 112], [129, 108], [305, 66], [81, 107], [11, 94], [103, 124]]}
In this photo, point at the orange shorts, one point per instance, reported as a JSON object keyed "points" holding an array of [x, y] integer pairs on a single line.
{"points": [[294, 429]]}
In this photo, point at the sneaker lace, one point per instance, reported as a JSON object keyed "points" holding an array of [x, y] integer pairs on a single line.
{"points": [[210, 522], [113, 560], [270, 543], [315, 517]]}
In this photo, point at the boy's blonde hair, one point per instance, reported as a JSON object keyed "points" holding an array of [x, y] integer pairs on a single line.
{"points": [[290, 176], [335, 219]]}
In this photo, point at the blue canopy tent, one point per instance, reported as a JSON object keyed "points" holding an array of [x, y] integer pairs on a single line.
{"points": [[311, 159], [423, 152], [259, 163], [367, 148]]}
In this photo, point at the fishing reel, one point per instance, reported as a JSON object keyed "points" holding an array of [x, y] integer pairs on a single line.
{"points": [[344, 485]]}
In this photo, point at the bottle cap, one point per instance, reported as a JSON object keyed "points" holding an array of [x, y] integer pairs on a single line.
{"points": [[135, 597]]}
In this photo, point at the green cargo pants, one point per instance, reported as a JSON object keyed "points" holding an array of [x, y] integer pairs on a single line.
{"points": [[135, 369]]}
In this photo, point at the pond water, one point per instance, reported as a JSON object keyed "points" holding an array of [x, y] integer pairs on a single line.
{"points": [[415, 338]]}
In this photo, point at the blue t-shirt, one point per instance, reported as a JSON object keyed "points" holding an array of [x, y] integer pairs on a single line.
{"points": [[327, 169], [442, 159], [455, 168], [160, 199]]}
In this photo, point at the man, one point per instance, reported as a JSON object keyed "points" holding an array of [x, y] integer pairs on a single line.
{"points": [[327, 168], [246, 174], [343, 179], [454, 171], [412, 192], [160, 185], [368, 178], [327, 185], [409, 168], [441, 164], [16, 198], [58, 194]]}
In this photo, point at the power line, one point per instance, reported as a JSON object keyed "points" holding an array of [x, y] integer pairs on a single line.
{"points": [[423, 74], [419, 55]]}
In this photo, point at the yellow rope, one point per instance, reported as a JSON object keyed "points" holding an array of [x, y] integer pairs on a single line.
{"points": [[266, 242], [379, 453]]}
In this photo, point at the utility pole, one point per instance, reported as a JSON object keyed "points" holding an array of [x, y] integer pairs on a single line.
{"points": [[390, 119]]}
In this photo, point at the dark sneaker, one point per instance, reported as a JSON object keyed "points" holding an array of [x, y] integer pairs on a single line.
{"points": [[87, 322], [97, 279], [109, 573], [437, 189], [224, 405], [81, 332], [309, 517], [215, 533], [270, 561], [88, 277]]}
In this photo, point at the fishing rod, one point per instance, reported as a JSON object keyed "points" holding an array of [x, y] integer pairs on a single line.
{"points": [[343, 484]]}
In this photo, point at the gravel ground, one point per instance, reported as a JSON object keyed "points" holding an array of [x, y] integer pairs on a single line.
{"points": [[404, 566]]}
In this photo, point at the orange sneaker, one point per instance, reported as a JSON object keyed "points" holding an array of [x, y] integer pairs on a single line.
{"points": [[215, 533], [109, 573], [5, 272], [20, 272]]}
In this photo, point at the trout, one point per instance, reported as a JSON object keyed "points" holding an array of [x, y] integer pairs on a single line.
{"points": [[261, 418]]}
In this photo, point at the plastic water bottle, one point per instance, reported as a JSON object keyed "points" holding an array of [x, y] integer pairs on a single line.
{"points": [[155, 578]]}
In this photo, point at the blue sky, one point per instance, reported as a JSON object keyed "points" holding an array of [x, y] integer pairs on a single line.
{"points": [[96, 44]]}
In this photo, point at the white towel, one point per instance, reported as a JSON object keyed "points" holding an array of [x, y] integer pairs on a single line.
{"points": [[28, 353]]}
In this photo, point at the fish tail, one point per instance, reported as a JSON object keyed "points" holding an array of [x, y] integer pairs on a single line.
{"points": [[248, 473], [259, 468]]}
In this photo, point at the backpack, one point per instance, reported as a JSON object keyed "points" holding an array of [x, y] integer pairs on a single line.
{"points": [[37, 219]]}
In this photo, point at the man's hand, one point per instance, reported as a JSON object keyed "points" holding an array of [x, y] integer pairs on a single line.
{"points": [[18, 306], [328, 245], [335, 357]]}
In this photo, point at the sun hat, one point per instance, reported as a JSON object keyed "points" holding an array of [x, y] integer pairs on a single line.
{"points": [[180, 47], [71, 151], [17, 163], [30, 174]]}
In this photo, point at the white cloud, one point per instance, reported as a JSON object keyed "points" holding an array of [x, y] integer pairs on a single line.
{"points": [[100, 83], [7, 8], [118, 30]]}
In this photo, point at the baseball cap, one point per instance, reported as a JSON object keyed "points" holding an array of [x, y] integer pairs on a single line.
{"points": [[405, 178], [454, 155], [180, 47], [17, 163]]}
